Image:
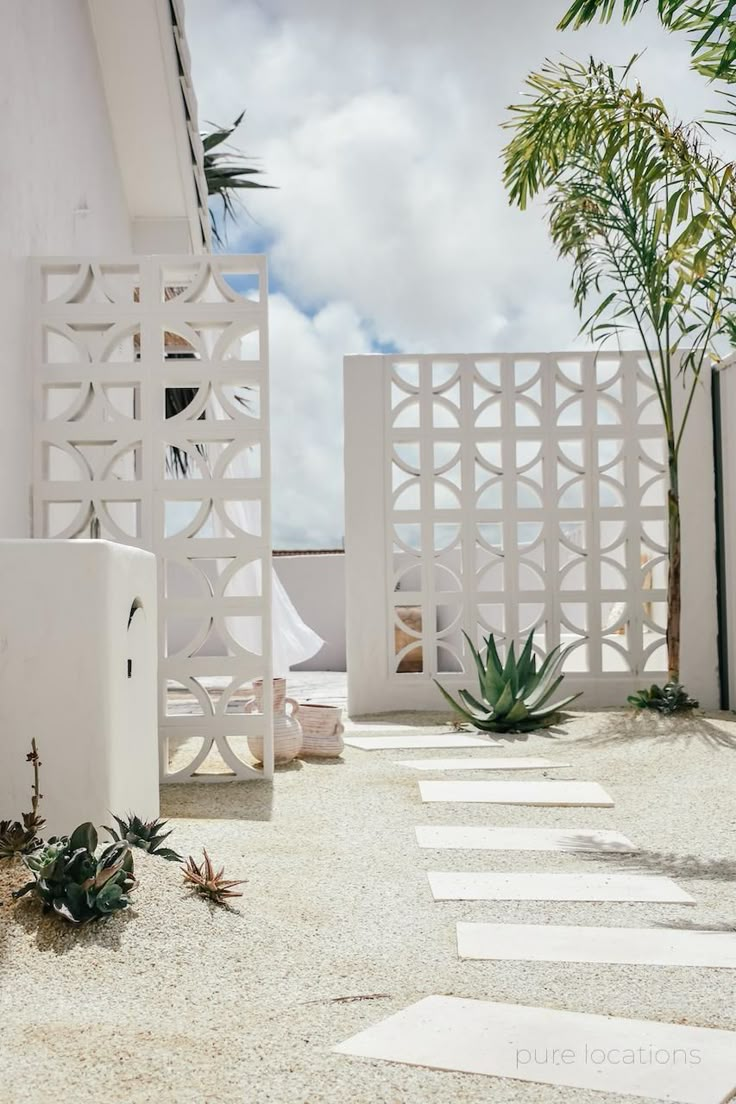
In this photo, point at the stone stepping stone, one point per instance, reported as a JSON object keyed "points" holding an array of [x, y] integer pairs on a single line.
{"points": [[627, 946], [501, 886], [519, 793], [482, 763], [442, 837], [389, 743], [646, 1058]]}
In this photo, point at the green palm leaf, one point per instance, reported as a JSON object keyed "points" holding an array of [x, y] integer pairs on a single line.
{"points": [[227, 172]]}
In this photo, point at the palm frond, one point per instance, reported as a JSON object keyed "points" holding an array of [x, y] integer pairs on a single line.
{"points": [[227, 172], [711, 25]]}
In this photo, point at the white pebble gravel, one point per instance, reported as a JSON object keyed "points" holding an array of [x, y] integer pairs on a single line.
{"points": [[179, 1002]]}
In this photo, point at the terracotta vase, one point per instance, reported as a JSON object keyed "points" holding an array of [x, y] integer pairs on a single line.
{"points": [[322, 727], [287, 731]]}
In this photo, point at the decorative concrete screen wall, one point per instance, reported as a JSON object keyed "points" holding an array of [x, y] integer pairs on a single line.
{"points": [[504, 493], [152, 429]]}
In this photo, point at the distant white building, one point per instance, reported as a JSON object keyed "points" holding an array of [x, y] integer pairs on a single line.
{"points": [[101, 156]]}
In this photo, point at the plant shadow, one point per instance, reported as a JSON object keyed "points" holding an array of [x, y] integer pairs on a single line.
{"points": [[661, 862], [57, 936], [645, 725], [323, 761]]}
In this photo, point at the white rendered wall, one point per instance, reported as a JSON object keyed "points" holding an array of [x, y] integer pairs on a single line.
{"points": [[78, 673], [60, 193], [316, 585]]}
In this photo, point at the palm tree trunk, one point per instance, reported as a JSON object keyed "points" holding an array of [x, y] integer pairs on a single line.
{"points": [[674, 546]]}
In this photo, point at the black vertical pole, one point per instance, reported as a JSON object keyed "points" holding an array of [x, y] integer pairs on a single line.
{"points": [[721, 567]]}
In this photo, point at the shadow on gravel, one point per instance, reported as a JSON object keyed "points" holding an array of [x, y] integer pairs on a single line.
{"points": [[645, 725], [59, 937], [218, 801], [665, 862], [692, 925]]}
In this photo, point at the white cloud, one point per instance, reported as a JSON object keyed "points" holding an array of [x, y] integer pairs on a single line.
{"points": [[306, 398], [379, 122]]}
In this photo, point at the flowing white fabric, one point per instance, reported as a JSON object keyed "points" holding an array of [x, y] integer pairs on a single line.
{"points": [[292, 640]]}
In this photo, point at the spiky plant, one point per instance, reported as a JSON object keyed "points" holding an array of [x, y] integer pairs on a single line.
{"points": [[227, 172], [202, 879], [144, 834], [667, 699], [21, 837], [72, 881], [514, 696]]}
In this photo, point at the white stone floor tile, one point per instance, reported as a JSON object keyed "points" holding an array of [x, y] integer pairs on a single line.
{"points": [[449, 740], [502, 886], [674, 1062], [486, 762], [631, 946], [519, 793]]}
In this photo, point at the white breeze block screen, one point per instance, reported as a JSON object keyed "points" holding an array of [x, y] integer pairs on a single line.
{"points": [[152, 429], [78, 673], [500, 493]]}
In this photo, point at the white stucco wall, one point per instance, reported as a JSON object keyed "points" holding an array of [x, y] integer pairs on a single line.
{"points": [[316, 585], [60, 194]]}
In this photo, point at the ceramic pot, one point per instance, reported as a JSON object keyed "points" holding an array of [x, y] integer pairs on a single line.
{"points": [[287, 731], [322, 727]]}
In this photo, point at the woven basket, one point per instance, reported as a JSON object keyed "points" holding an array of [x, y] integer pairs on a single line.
{"points": [[322, 728]]}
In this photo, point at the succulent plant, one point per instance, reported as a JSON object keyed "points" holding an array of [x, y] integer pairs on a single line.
{"points": [[71, 880], [21, 837], [514, 696], [203, 880], [145, 834], [670, 698]]}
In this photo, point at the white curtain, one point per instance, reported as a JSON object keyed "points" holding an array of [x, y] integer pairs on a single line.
{"points": [[293, 641]]}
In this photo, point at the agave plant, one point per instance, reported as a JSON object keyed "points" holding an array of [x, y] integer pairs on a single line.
{"points": [[144, 834], [514, 695], [201, 878], [21, 837], [670, 698], [73, 882]]}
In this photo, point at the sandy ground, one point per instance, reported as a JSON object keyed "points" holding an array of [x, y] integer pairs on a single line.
{"points": [[180, 1002]]}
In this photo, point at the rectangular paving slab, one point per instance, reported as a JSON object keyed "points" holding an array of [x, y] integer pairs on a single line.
{"points": [[443, 837], [686, 1065], [388, 743], [519, 793], [566, 943], [501, 886], [489, 762]]}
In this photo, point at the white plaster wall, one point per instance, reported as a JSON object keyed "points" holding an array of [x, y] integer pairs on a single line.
{"points": [[60, 194], [316, 586]]}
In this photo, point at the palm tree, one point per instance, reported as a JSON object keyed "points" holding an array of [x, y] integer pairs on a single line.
{"points": [[710, 23], [643, 210], [227, 172]]}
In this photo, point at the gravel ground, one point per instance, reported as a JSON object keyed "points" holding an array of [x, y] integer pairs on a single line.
{"points": [[180, 1002]]}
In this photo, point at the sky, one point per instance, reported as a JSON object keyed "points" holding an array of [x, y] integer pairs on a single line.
{"points": [[388, 229]]}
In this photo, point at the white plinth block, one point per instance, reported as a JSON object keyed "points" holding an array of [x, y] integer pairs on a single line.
{"points": [[78, 660]]}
